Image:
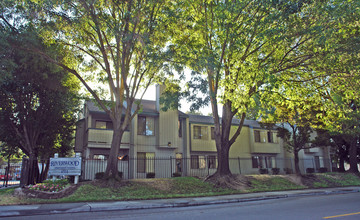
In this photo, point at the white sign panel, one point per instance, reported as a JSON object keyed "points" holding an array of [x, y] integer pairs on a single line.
{"points": [[67, 166]]}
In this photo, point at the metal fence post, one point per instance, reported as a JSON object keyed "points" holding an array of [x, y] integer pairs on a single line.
{"points": [[239, 165], [170, 167], [128, 168]]}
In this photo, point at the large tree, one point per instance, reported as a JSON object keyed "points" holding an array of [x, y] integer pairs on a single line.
{"points": [[37, 99], [245, 48], [119, 44]]}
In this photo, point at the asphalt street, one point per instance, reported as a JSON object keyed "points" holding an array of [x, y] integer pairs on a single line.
{"points": [[85, 210], [330, 206]]}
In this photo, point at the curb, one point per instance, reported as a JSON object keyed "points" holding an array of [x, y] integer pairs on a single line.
{"points": [[45, 209]]}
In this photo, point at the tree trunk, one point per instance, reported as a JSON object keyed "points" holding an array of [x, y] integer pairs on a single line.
{"points": [[341, 164], [7, 172], [222, 140], [296, 163], [112, 170], [223, 168], [33, 169], [353, 157]]}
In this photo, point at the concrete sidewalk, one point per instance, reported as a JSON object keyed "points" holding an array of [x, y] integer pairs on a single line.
{"points": [[46, 209]]}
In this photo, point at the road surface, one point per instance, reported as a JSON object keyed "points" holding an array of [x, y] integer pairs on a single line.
{"points": [[337, 207]]}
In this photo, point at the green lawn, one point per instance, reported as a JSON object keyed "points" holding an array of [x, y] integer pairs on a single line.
{"points": [[182, 187]]}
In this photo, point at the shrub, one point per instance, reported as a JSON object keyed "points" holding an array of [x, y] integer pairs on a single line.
{"points": [[310, 170], [99, 175], [323, 170], [263, 171], [176, 175], [275, 171], [288, 171], [150, 175]]}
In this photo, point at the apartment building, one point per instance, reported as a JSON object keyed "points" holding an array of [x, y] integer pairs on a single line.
{"points": [[174, 142]]}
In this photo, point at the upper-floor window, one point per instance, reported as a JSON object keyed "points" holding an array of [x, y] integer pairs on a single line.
{"points": [[180, 128], [146, 126], [212, 133], [103, 124], [272, 137], [257, 136], [201, 132]]}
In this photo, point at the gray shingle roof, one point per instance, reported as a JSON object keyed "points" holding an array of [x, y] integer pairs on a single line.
{"points": [[201, 119], [149, 106]]}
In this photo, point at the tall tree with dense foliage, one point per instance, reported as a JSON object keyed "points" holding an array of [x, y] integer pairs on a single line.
{"points": [[332, 87], [37, 99], [245, 48], [119, 44]]}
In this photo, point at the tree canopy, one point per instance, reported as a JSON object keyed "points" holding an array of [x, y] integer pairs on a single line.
{"points": [[38, 99], [119, 44]]}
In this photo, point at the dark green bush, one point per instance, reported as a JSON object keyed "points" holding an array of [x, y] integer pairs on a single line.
{"points": [[150, 175], [310, 170], [275, 171], [100, 175], [176, 175], [323, 170], [288, 171], [263, 171]]}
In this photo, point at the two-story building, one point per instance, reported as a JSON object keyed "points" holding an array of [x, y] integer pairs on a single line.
{"points": [[174, 142]]}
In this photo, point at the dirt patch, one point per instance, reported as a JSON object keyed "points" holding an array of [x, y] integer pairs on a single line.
{"points": [[237, 182], [29, 193], [296, 179]]}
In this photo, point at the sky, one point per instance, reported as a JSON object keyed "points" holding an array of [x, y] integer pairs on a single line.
{"points": [[185, 106]]}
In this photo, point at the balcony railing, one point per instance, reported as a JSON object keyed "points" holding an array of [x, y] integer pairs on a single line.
{"points": [[104, 136]]}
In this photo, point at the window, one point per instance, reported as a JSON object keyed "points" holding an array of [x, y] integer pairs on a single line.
{"points": [[146, 126], [200, 132], [256, 162], [179, 162], [270, 137], [194, 162], [99, 157], [199, 162], [212, 162], [103, 124], [145, 162], [212, 133], [257, 136], [180, 128], [263, 161], [202, 162]]}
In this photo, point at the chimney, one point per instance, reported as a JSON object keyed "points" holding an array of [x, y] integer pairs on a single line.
{"points": [[157, 87]]}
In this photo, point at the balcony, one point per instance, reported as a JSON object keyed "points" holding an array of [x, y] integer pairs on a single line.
{"points": [[101, 138], [273, 148]]}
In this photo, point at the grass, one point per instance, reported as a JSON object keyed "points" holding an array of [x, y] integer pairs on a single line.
{"points": [[182, 187], [335, 179], [269, 183]]}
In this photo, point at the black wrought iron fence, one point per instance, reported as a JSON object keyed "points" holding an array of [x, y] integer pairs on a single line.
{"points": [[10, 173], [156, 167]]}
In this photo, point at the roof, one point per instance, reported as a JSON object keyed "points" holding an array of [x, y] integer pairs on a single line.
{"points": [[148, 106], [202, 119]]}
